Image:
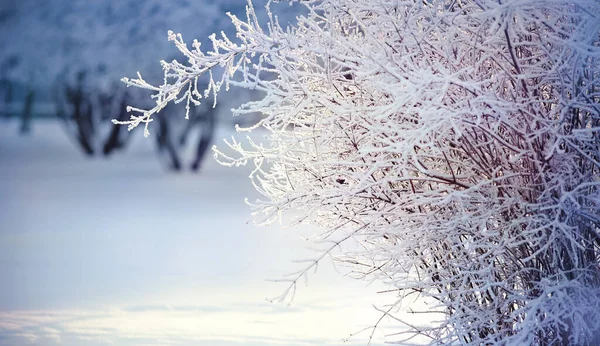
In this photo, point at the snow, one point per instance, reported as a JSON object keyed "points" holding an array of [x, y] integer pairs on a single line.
{"points": [[120, 251]]}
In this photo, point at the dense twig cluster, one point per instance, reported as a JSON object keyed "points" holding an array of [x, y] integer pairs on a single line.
{"points": [[456, 141]]}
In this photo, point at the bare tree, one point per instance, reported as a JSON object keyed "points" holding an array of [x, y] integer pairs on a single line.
{"points": [[74, 107]]}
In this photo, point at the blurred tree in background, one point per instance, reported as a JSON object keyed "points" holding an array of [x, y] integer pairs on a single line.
{"points": [[65, 57]]}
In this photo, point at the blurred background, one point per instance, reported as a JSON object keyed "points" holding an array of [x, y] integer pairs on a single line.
{"points": [[109, 238]]}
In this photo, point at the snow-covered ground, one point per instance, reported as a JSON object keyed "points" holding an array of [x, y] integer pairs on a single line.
{"points": [[122, 252]]}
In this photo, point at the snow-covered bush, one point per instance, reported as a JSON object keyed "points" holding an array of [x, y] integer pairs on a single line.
{"points": [[456, 141]]}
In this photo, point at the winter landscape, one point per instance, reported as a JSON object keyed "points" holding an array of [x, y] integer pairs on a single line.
{"points": [[123, 250], [406, 172]]}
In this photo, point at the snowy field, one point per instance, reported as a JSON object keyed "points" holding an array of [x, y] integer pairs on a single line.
{"points": [[122, 252]]}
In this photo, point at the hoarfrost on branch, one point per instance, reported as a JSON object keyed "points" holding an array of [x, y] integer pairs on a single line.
{"points": [[456, 141]]}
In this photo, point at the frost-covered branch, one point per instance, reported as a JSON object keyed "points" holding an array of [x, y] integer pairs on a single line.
{"points": [[181, 81], [455, 141]]}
